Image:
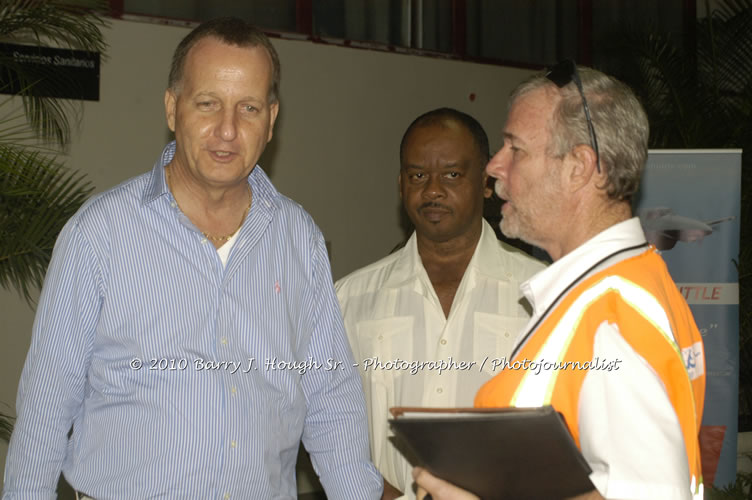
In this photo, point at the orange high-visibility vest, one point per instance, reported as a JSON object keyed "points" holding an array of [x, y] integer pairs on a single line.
{"points": [[639, 296]]}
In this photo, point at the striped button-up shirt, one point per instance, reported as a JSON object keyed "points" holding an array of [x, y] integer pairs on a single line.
{"points": [[181, 377]]}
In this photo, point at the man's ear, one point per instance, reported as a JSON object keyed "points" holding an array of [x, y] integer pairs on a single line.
{"points": [[487, 189], [170, 101], [273, 112], [581, 167]]}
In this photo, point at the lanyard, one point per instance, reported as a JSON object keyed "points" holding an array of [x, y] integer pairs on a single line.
{"points": [[567, 289]]}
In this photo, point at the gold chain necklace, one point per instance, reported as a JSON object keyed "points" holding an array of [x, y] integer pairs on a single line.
{"points": [[211, 237]]}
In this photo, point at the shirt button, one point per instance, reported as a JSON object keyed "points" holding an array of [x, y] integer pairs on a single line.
{"points": [[233, 444], [506, 334], [173, 204], [204, 241], [233, 390], [443, 341], [439, 390], [381, 337], [509, 275], [223, 340], [227, 496]]}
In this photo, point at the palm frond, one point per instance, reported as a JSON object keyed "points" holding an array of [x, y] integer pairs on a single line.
{"points": [[6, 426], [14, 126], [73, 24], [68, 24], [664, 78], [725, 65], [37, 196], [48, 118]]}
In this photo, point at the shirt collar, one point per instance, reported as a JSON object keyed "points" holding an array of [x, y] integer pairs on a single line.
{"points": [[543, 288], [491, 262], [157, 185], [408, 266], [261, 187], [486, 260]]}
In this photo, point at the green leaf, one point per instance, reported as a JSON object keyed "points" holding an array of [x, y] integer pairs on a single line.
{"points": [[69, 24], [6, 426], [37, 197]]}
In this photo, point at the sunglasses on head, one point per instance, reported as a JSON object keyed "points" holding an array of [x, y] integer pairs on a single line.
{"points": [[564, 73]]}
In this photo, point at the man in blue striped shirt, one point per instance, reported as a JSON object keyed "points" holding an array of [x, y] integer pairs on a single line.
{"points": [[188, 330]]}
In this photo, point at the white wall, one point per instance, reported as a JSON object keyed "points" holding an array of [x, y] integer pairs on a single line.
{"points": [[335, 150]]}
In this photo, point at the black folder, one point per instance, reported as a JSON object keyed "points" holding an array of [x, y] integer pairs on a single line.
{"points": [[498, 454]]}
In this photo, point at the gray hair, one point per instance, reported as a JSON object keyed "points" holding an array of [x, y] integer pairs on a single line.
{"points": [[620, 123]]}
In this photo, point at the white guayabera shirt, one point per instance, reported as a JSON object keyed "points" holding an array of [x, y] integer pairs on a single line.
{"points": [[410, 354]]}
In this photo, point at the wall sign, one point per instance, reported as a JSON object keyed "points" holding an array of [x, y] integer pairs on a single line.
{"points": [[49, 72]]}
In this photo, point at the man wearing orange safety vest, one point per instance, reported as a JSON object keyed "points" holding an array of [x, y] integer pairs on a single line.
{"points": [[614, 344]]}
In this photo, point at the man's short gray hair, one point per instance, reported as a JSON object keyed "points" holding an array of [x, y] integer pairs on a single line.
{"points": [[620, 123]]}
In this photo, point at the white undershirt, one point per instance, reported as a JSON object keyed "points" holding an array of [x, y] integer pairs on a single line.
{"points": [[224, 250]]}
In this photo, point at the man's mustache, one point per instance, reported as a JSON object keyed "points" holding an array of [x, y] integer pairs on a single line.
{"points": [[433, 204], [499, 188]]}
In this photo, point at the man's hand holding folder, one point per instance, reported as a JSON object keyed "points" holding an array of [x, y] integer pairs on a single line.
{"points": [[443, 490], [502, 453]]}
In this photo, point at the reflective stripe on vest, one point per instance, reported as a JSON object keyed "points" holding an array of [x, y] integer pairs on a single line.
{"points": [[536, 390], [652, 317]]}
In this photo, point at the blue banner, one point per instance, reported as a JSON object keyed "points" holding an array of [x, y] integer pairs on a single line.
{"points": [[689, 205]]}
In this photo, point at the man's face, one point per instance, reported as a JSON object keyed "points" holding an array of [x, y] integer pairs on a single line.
{"points": [[221, 114], [527, 177], [442, 181]]}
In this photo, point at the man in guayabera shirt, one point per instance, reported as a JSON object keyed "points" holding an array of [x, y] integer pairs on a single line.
{"points": [[422, 321], [174, 304]]}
